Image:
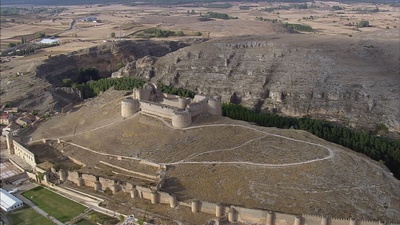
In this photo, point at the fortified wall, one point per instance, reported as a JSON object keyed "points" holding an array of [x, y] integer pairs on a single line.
{"points": [[99, 183], [178, 109], [222, 212]]}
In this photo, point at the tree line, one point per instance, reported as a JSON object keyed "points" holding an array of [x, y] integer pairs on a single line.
{"points": [[176, 91], [92, 88], [381, 149], [299, 27]]}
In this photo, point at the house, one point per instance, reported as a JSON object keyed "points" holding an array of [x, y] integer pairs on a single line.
{"points": [[5, 118], [9, 202], [11, 110], [23, 121], [13, 128]]}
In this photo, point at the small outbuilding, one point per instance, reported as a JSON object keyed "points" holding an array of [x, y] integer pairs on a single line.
{"points": [[48, 41], [9, 202]]}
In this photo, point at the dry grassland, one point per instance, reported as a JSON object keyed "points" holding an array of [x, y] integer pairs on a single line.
{"points": [[338, 182], [128, 20]]}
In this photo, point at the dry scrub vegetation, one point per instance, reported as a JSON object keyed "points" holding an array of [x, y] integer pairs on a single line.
{"points": [[340, 184]]}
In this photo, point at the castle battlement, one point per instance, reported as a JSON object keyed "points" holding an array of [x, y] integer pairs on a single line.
{"points": [[180, 110]]}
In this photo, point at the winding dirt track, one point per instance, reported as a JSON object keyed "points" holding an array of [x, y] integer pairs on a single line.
{"points": [[187, 159]]}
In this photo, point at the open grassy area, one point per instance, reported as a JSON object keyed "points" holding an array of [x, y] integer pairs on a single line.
{"points": [[27, 216], [57, 206]]}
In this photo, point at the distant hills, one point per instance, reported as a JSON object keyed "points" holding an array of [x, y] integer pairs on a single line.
{"points": [[83, 2]]}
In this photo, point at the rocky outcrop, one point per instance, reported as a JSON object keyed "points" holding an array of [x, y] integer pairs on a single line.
{"points": [[352, 81], [104, 57]]}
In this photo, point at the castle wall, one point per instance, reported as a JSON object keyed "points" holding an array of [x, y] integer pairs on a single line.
{"points": [[73, 176], [197, 108], [181, 119], [170, 102], [144, 192], [106, 183], [214, 105], [89, 180], [284, 219], [157, 109], [129, 107], [170, 96], [251, 215], [164, 198], [24, 154], [207, 207], [127, 187]]}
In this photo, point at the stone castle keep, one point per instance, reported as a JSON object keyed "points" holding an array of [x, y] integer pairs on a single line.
{"points": [[178, 109]]}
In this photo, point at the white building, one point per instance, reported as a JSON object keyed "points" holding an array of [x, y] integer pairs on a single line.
{"points": [[9, 202], [47, 41]]}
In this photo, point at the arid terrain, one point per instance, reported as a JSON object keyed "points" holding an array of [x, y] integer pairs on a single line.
{"points": [[339, 71], [222, 160]]}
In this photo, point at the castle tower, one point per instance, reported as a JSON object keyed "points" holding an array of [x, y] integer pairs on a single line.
{"points": [[214, 105], [182, 102], [181, 119], [129, 106]]}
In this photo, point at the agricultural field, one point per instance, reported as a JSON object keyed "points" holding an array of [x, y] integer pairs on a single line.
{"points": [[110, 22], [27, 216], [57, 206]]}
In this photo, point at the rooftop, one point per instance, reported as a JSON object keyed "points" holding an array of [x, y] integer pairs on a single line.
{"points": [[49, 41], [7, 199]]}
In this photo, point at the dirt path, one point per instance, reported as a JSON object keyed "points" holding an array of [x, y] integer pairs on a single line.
{"points": [[187, 159]]}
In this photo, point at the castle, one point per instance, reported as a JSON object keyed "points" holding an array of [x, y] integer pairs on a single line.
{"points": [[180, 110]]}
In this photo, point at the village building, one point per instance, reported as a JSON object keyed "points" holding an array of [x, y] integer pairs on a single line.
{"points": [[5, 118]]}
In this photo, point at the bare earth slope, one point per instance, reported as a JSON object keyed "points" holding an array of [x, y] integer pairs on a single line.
{"points": [[351, 80], [228, 161]]}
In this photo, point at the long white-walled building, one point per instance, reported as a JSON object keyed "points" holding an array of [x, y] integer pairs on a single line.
{"points": [[9, 202]]}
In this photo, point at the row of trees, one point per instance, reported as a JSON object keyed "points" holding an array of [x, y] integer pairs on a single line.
{"points": [[218, 15], [378, 148], [94, 87], [298, 27], [176, 91], [154, 32]]}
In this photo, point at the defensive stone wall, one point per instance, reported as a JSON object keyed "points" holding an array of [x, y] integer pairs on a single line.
{"points": [[24, 154], [179, 109], [89, 180], [245, 215], [181, 119], [129, 106], [73, 176], [157, 109]]}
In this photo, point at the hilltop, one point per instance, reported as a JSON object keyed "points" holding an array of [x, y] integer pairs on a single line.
{"points": [[222, 160]]}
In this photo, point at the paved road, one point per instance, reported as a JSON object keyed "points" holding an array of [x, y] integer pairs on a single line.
{"points": [[28, 202]]}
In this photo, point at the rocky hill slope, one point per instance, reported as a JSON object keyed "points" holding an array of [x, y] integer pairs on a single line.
{"points": [[234, 162], [34, 83], [354, 81]]}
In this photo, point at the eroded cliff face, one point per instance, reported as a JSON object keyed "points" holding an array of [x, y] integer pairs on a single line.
{"points": [[104, 57], [39, 86], [353, 81]]}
